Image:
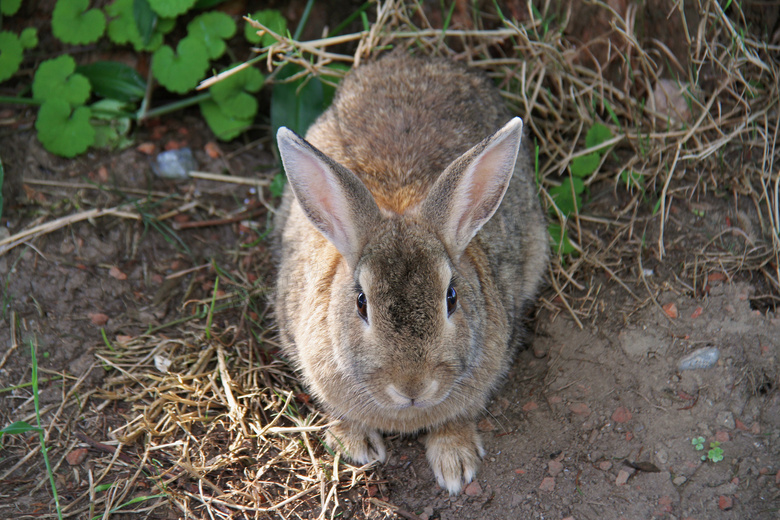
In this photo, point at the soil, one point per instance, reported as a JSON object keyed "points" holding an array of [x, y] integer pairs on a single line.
{"points": [[593, 422]]}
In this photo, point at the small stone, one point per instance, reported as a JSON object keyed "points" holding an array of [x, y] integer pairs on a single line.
{"points": [[661, 456], [777, 479], [548, 484], [726, 420], [554, 467], [671, 310], [539, 351], [473, 489], [579, 409], [530, 406], [76, 456], [621, 415], [725, 502], [722, 436], [700, 359], [605, 465], [755, 429], [485, 425], [555, 399], [679, 481], [622, 477], [517, 499]]}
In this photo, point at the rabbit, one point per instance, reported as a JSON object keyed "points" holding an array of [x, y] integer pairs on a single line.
{"points": [[411, 245]]}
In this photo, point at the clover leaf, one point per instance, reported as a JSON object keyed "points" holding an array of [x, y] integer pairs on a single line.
{"points": [[212, 29], [123, 27], [232, 94], [224, 126], [62, 132], [10, 54], [9, 7], [71, 22], [560, 240], [55, 79], [180, 71], [29, 38], [698, 443], [597, 134], [584, 165], [272, 19], [567, 196], [171, 8]]}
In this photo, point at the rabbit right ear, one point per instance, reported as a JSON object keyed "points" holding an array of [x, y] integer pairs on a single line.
{"points": [[336, 202]]}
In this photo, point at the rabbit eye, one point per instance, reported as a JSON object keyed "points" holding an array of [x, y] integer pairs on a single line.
{"points": [[452, 300], [362, 306]]}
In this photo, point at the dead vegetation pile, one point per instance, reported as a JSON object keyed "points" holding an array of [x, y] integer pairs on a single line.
{"points": [[208, 418]]}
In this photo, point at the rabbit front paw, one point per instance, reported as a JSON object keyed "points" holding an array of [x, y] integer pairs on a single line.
{"points": [[361, 445], [454, 451]]}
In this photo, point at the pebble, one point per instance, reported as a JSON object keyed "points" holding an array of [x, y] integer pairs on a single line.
{"points": [[530, 406], [621, 415], [661, 456], [726, 420], [473, 489], [725, 503], [605, 465], [174, 164], [548, 484], [700, 359], [554, 467], [722, 436], [579, 409], [622, 477], [679, 481]]}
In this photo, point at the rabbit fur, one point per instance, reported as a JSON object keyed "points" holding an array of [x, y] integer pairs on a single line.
{"points": [[411, 245]]}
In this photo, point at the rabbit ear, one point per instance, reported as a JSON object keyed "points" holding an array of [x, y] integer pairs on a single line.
{"points": [[470, 190], [336, 202]]}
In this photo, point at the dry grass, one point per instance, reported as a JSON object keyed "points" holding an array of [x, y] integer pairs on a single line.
{"points": [[208, 421]]}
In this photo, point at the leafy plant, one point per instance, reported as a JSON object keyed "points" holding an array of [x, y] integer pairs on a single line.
{"points": [[714, 454]]}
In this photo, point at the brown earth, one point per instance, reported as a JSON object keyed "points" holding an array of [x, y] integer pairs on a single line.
{"points": [[593, 422]]}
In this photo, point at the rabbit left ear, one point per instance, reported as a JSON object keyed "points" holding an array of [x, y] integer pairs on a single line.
{"points": [[336, 202], [470, 189]]}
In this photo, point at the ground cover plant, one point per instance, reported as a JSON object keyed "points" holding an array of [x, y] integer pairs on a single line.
{"points": [[175, 392]]}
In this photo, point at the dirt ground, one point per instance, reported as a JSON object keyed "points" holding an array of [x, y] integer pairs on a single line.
{"points": [[593, 422]]}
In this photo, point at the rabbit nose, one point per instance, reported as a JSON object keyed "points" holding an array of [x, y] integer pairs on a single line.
{"points": [[413, 393]]}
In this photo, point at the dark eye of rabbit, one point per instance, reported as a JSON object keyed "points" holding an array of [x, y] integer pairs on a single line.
{"points": [[362, 306], [452, 300]]}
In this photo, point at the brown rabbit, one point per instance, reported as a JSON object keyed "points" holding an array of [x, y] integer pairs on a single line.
{"points": [[398, 294]]}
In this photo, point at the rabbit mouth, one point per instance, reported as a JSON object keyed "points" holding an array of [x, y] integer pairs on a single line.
{"points": [[428, 396]]}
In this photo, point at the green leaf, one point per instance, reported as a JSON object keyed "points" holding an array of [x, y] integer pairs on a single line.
{"points": [[180, 71], [29, 38], [123, 27], [72, 23], [56, 79], [567, 196], [111, 130], [171, 8], [212, 29], [597, 134], [272, 19], [223, 126], [9, 7], [277, 184], [233, 94], [584, 165], [18, 428], [145, 20], [10, 54], [62, 132], [296, 104], [114, 80], [560, 240]]}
